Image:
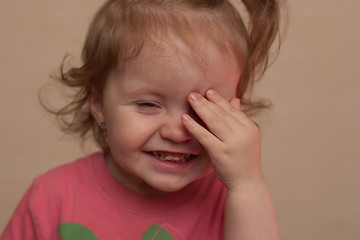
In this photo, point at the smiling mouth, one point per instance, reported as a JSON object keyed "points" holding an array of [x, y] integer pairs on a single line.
{"points": [[172, 157]]}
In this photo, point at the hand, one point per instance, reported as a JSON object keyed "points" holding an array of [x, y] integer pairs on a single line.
{"points": [[232, 142]]}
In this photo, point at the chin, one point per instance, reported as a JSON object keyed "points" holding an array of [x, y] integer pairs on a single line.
{"points": [[169, 187]]}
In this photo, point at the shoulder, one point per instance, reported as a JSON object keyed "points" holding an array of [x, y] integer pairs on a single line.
{"points": [[50, 199], [53, 194], [68, 171], [65, 178]]}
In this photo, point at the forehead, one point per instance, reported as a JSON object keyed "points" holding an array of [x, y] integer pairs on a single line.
{"points": [[172, 65], [202, 58]]}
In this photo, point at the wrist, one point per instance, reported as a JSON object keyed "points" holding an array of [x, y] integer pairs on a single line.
{"points": [[255, 182]]}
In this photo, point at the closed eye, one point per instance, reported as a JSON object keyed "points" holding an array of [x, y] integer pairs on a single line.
{"points": [[147, 104], [149, 107]]}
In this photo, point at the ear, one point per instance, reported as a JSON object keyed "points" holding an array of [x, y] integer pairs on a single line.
{"points": [[96, 109]]}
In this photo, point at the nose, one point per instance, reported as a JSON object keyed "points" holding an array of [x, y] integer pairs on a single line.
{"points": [[174, 130]]}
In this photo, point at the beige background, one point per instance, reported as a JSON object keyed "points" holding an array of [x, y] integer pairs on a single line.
{"points": [[310, 138]]}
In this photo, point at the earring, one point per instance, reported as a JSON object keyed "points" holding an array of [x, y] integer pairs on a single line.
{"points": [[102, 123]]}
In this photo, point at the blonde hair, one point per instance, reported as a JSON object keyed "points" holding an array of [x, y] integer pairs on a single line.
{"points": [[120, 29]]}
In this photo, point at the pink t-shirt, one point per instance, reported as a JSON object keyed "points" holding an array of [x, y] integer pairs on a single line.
{"points": [[81, 200]]}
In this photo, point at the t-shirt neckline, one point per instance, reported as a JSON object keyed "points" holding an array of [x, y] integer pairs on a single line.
{"points": [[122, 197]]}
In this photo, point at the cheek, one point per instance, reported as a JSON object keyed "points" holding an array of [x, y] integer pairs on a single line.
{"points": [[130, 132]]}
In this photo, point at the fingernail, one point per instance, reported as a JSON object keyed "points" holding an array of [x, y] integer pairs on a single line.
{"points": [[185, 118], [211, 93], [195, 97]]}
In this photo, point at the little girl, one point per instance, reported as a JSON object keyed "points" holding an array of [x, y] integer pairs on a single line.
{"points": [[160, 88]]}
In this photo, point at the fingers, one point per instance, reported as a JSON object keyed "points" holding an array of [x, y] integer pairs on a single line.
{"points": [[232, 107], [216, 115], [205, 138], [231, 139], [216, 98]]}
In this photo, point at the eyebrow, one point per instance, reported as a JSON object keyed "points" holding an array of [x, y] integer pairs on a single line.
{"points": [[141, 90]]}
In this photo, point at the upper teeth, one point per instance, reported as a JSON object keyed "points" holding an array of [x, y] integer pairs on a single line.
{"points": [[171, 156]]}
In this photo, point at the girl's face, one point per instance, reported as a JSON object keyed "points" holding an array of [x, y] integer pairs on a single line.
{"points": [[151, 152]]}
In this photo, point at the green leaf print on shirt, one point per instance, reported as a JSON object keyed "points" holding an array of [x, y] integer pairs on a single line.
{"points": [[156, 232], [75, 231]]}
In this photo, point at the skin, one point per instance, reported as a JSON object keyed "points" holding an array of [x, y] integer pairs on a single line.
{"points": [[233, 144], [146, 109]]}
